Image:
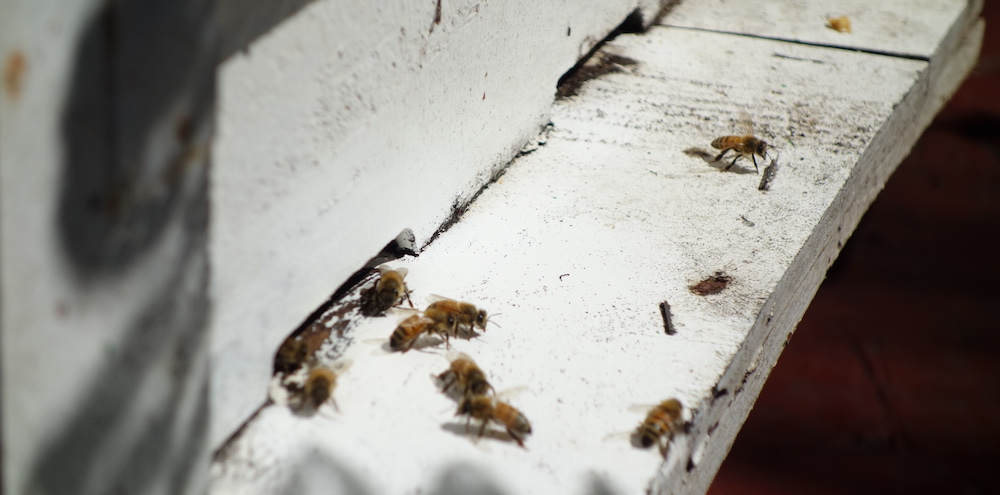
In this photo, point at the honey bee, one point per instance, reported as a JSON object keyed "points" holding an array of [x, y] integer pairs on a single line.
{"points": [[319, 387], [465, 374], [291, 355], [745, 145], [388, 291], [486, 408], [466, 314], [410, 329], [660, 424]]}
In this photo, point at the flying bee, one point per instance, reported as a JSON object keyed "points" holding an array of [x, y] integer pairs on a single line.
{"points": [[660, 424], [466, 314], [746, 145], [466, 375], [487, 409], [389, 290], [410, 329]]}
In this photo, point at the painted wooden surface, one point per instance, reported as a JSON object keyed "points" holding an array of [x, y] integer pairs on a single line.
{"points": [[909, 29], [349, 123], [105, 123], [579, 242]]}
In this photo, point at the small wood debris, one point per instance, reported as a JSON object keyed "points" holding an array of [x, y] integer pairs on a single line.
{"points": [[840, 24], [712, 285]]}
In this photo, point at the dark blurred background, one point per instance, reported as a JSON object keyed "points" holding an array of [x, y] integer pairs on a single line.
{"points": [[891, 383]]}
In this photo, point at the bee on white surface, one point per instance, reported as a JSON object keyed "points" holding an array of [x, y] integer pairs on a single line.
{"points": [[466, 375], [466, 314], [411, 329], [320, 386], [486, 409], [310, 388], [660, 424], [291, 355], [745, 145], [389, 290]]}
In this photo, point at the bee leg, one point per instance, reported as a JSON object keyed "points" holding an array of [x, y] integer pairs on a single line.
{"points": [[515, 437], [732, 163], [720, 155], [663, 443], [467, 421], [755, 163], [448, 384], [482, 429], [406, 291]]}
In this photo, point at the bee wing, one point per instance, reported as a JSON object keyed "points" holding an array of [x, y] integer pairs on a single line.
{"points": [[618, 435], [407, 312], [340, 366], [453, 355], [510, 393], [425, 320], [745, 123], [382, 346], [404, 313], [641, 408], [433, 298], [383, 269]]}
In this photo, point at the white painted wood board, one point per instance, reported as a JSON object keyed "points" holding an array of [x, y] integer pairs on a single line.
{"points": [[577, 244], [913, 28], [350, 122], [104, 351]]}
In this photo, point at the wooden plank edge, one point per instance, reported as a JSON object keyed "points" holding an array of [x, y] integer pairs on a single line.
{"points": [[714, 430]]}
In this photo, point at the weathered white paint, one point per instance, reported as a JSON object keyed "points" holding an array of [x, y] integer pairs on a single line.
{"points": [[351, 122], [28, 127], [89, 365], [913, 28], [58, 334], [578, 243]]}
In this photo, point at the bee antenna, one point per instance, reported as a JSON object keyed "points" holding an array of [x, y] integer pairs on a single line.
{"points": [[490, 319]]}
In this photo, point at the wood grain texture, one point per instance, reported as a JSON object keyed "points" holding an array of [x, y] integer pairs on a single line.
{"points": [[908, 28], [579, 242], [345, 125]]}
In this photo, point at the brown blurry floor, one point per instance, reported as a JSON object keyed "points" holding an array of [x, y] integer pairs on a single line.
{"points": [[891, 383]]}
